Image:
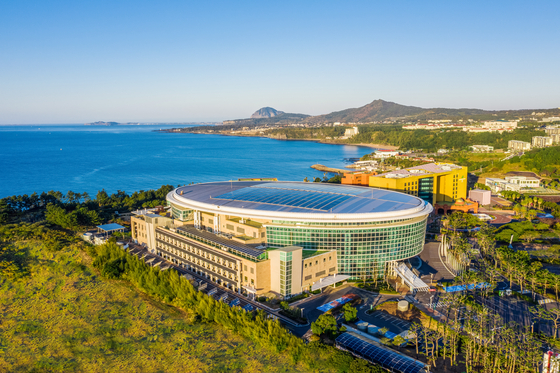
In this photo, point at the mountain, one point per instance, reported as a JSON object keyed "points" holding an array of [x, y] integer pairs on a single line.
{"points": [[386, 111], [266, 112], [380, 110], [268, 115]]}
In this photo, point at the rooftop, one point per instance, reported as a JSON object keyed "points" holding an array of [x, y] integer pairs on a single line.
{"points": [[293, 197], [110, 227], [429, 168]]}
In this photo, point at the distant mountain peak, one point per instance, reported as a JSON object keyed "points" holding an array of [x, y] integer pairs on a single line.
{"points": [[266, 112]]}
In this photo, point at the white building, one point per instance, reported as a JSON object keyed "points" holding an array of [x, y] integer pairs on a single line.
{"points": [[382, 154], [501, 124], [523, 181], [351, 132], [541, 141], [482, 148], [552, 130], [518, 146], [500, 185]]}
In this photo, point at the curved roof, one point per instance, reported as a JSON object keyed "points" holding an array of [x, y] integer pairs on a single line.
{"points": [[298, 201]]}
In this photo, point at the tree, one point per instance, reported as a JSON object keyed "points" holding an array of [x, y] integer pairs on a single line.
{"points": [[350, 313], [325, 324]]}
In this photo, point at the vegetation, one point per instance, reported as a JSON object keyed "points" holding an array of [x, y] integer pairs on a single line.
{"points": [[350, 312], [59, 315]]}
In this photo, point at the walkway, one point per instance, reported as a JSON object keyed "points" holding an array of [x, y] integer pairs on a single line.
{"points": [[432, 264]]}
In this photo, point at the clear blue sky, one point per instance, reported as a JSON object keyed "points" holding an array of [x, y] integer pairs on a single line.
{"points": [[77, 61]]}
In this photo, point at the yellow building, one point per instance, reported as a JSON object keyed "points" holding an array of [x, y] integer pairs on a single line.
{"points": [[433, 182]]}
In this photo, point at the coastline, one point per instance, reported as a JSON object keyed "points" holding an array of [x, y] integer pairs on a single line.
{"points": [[321, 141]]}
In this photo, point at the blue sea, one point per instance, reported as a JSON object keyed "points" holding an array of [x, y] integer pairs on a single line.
{"points": [[90, 158]]}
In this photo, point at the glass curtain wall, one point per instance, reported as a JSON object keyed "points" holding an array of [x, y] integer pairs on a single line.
{"points": [[285, 273], [360, 252]]}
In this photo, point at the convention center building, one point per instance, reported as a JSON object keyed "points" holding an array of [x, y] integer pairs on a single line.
{"points": [[285, 237]]}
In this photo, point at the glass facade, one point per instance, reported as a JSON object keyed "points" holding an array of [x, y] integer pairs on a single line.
{"points": [[426, 189], [360, 252], [285, 273], [181, 214]]}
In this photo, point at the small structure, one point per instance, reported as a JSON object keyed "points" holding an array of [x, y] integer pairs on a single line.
{"points": [[483, 197], [402, 305], [110, 228], [410, 279], [362, 325]]}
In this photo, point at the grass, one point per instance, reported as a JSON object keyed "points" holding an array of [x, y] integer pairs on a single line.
{"points": [[63, 317], [250, 223], [309, 253]]}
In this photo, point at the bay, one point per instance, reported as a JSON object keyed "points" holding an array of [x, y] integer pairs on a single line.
{"points": [[90, 158]]}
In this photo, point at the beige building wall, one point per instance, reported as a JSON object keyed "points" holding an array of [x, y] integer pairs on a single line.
{"points": [[144, 226], [243, 230], [317, 267]]}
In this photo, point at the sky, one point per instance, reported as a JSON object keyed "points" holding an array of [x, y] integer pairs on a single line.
{"points": [[182, 61]]}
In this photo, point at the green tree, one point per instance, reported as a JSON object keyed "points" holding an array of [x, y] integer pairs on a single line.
{"points": [[325, 324], [350, 313]]}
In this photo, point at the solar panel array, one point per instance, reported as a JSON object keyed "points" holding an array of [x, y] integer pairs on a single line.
{"points": [[301, 198], [386, 358], [221, 241], [316, 187]]}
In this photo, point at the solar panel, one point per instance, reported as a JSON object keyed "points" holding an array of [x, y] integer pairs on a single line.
{"points": [[234, 302], [248, 308], [315, 187], [316, 200], [221, 241], [386, 358]]}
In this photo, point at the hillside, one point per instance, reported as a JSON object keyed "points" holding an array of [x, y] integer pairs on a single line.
{"points": [[59, 315], [380, 111]]}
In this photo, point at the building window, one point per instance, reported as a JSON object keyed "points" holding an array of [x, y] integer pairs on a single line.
{"points": [[252, 270]]}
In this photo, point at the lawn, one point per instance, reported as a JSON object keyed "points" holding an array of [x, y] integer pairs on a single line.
{"points": [[63, 317]]}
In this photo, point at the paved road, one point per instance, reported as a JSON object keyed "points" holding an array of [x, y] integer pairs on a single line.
{"points": [[432, 267], [367, 299]]}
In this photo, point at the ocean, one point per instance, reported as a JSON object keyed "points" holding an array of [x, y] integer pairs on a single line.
{"points": [[90, 158]]}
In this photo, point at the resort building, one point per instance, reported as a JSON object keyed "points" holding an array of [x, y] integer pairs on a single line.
{"points": [[523, 181], [552, 130], [498, 185], [382, 154], [518, 146], [285, 237], [357, 178], [432, 182], [541, 141], [443, 185]]}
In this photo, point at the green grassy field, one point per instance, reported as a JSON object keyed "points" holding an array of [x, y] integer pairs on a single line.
{"points": [[63, 317]]}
